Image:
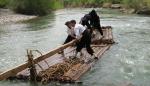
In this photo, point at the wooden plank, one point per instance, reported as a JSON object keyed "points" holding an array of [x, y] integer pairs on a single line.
{"points": [[78, 70], [105, 35], [96, 49], [103, 50], [14, 71], [85, 67], [110, 34], [81, 71], [98, 45], [72, 71], [100, 49]]}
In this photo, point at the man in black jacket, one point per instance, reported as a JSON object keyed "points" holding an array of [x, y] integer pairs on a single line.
{"points": [[92, 20]]}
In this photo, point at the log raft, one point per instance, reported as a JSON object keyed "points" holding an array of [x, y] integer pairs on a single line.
{"points": [[54, 66]]}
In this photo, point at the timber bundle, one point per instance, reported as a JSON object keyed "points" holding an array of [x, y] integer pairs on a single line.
{"points": [[52, 66]]}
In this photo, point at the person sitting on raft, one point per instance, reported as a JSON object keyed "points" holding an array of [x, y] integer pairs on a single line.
{"points": [[84, 38], [70, 32], [94, 20]]}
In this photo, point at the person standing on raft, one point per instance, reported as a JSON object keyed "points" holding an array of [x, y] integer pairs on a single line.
{"points": [[92, 20], [84, 38]]}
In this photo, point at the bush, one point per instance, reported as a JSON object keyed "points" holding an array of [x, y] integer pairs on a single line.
{"points": [[136, 4], [3, 3], [56, 4], [31, 7], [42, 7]]}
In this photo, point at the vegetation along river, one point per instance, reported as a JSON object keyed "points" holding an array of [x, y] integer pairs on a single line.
{"points": [[127, 61]]}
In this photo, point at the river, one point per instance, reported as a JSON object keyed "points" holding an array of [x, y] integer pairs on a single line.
{"points": [[127, 61]]}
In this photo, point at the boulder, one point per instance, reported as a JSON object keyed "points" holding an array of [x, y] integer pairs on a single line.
{"points": [[116, 6], [144, 11], [128, 11], [107, 5]]}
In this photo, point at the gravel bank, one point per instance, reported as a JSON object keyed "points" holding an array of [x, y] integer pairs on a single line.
{"points": [[7, 16]]}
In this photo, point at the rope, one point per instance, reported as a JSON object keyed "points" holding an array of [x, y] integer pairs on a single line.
{"points": [[58, 70]]}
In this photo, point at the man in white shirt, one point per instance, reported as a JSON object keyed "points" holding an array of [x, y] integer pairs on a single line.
{"points": [[70, 32], [84, 37]]}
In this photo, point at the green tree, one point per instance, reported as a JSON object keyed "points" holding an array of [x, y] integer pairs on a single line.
{"points": [[31, 7], [3, 3]]}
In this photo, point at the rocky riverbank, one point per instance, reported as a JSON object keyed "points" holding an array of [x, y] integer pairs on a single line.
{"points": [[7, 16], [124, 9]]}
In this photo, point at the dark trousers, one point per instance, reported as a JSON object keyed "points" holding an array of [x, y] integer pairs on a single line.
{"points": [[68, 39], [98, 27], [100, 30], [85, 42]]}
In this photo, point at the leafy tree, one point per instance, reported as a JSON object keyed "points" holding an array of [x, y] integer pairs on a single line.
{"points": [[3, 3], [30, 7]]}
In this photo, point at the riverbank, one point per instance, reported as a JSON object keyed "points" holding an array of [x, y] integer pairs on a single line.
{"points": [[8, 16]]}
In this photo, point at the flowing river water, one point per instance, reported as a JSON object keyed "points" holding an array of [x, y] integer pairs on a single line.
{"points": [[127, 61]]}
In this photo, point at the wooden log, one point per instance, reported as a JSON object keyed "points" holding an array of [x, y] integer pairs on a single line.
{"points": [[85, 67], [33, 72], [100, 49], [108, 37], [96, 49], [108, 29], [106, 34], [103, 51], [72, 72], [78, 70], [110, 34], [98, 45], [81, 71], [14, 71]]}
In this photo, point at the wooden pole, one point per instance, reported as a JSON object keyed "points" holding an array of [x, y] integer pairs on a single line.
{"points": [[33, 72]]}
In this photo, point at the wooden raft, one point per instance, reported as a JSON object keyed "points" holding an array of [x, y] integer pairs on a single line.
{"points": [[43, 62]]}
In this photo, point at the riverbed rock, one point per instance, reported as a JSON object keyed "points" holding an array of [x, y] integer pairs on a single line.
{"points": [[128, 11], [107, 5], [116, 6], [144, 11], [8, 16]]}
